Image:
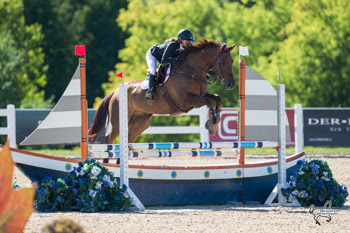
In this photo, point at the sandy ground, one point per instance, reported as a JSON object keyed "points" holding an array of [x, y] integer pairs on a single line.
{"points": [[223, 218]]}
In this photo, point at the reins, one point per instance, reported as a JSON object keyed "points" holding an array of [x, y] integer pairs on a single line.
{"points": [[208, 73]]}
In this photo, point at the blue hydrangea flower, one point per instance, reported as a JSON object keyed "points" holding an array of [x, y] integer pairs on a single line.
{"points": [[98, 185], [92, 193], [106, 178], [320, 183], [300, 162], [96, 171], [314, 168], [295, 192], [105, 183], [291, 198], [330, 185]]}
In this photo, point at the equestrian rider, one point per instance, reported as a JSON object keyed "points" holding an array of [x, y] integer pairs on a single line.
{"points": [[167, 53]]}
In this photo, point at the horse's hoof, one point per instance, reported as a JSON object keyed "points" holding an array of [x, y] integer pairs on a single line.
{"points": [[212, 133], [212, 128], [207, 125]]}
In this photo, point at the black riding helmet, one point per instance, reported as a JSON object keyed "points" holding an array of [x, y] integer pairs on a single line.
{"points": [[185, 34]]}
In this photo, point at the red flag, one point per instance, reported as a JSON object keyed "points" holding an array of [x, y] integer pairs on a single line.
{"points": [[120, 74], [80, 50]]}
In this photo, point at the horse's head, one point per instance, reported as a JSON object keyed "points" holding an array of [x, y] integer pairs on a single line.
{"points": [[210, 54], [222, 66]]}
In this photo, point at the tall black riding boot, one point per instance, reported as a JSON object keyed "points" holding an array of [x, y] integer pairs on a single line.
{"points": [[149, 94]]}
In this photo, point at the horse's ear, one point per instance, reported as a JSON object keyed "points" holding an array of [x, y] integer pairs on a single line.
{"points": [[231, 47], [223, 48]]}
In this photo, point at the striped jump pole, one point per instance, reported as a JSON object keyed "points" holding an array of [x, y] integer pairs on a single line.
{"points": [[186, 145], [162, 153]]}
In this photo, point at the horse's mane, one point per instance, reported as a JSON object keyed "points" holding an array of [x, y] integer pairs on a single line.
{"points": [[204, 43]]}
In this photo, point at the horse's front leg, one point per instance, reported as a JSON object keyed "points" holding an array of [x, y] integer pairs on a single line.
{"points": [[199, 101], [215, 115]]}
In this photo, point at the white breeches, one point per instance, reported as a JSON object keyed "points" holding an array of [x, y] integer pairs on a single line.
{"points": [[151, 62]]}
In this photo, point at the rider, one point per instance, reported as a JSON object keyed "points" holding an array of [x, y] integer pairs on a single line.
{"points": [[169, 52]]}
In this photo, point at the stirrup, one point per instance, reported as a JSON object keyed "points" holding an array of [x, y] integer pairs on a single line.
{"points": [[149, 95]]}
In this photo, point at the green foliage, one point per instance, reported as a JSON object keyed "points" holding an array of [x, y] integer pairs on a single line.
{"points": [[306, 40], [314, 184], [314, 57], [88, 188], [67, 23], [22, 72]]}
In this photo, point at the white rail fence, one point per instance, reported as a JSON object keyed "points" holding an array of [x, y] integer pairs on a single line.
{"points": [[202, 113], [10, 129]]}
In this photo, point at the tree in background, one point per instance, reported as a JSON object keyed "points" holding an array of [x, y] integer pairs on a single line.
{"points": [[307, 40], [22, 69], [67, 23], [314, 57]]}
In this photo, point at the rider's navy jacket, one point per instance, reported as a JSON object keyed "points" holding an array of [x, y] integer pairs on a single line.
{"points": [[166, 53]]}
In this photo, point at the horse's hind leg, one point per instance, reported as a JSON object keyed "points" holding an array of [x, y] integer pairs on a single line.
{"points": [[114, 123], [138, 124]]}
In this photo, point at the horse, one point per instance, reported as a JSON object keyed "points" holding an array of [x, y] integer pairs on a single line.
{"points": [[186, 88]]}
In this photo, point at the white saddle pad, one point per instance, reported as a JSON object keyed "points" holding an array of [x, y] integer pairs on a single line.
{"points": [[144, 84]]}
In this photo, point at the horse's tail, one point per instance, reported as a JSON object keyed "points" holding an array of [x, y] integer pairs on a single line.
{"points": [[100, 119]]}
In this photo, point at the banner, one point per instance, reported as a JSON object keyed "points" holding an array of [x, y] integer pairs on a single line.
{"points": [[327, 127]]}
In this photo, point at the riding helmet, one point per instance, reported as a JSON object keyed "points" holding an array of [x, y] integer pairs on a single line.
{"points": [[185, 34]]}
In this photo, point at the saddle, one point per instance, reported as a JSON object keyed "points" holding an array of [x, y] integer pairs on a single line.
{"points": [[160, 75]]}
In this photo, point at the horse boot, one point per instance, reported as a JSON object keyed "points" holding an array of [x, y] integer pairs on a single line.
{"points": [[149, 94]]}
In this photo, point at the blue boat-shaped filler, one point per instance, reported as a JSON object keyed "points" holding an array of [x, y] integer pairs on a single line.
{"points": [[153, 185], [175, 185]]}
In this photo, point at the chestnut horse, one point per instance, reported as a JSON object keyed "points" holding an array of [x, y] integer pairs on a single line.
{"points": [[187, 87]]}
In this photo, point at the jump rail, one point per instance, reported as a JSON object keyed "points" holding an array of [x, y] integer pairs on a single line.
{"points": [[185, 145], [191, 153]]}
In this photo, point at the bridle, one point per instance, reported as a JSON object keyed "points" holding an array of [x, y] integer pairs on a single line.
{"points": [[208, 73]]}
